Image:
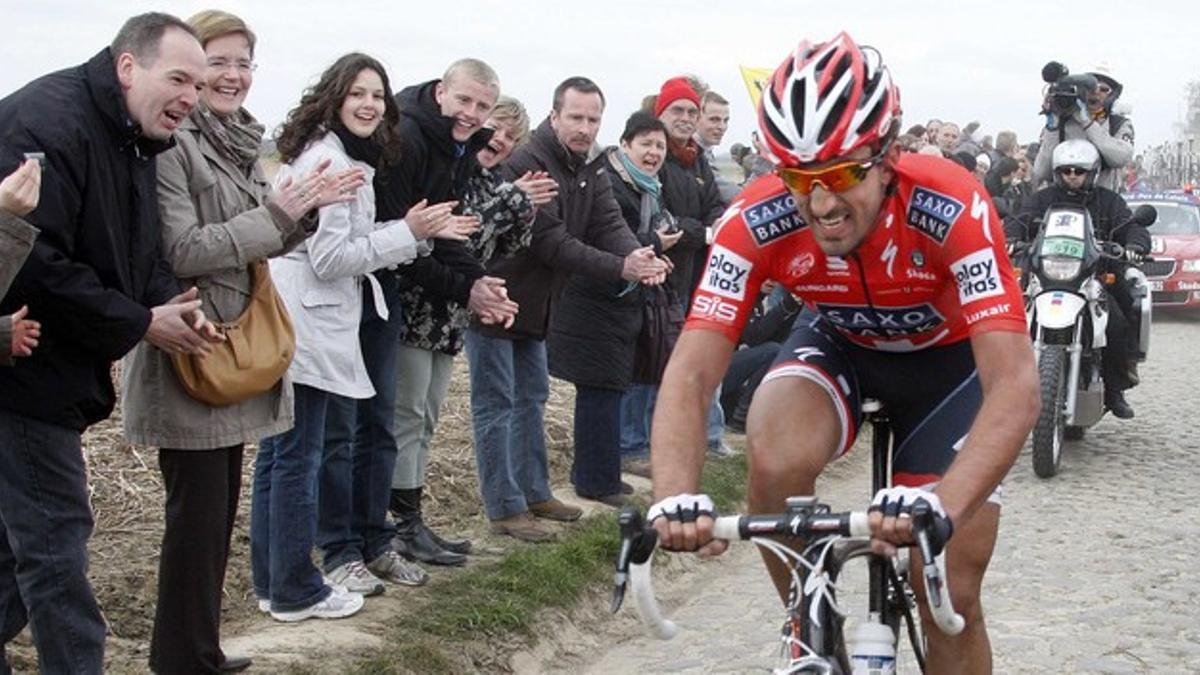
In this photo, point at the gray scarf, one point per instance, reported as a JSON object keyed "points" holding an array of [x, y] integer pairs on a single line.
{"points": [[237, 137]]}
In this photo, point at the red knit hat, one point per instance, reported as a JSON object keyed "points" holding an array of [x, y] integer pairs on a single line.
{"points": [[673, 90]]}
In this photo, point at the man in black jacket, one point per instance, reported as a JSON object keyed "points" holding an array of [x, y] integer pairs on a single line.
{"points": [[99, 285], [581, 232], [1076, 164]]}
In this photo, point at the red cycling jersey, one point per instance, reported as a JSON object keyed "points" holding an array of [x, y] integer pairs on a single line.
{"points": [[933, 270]]}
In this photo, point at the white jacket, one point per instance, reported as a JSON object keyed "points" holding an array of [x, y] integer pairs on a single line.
{"points": [[320, 280]]}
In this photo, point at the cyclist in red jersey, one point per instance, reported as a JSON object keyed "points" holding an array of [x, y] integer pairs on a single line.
{"points": [[909, 298]]}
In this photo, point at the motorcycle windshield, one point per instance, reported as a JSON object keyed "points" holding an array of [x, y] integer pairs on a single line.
{"points": [[1066, 223]]}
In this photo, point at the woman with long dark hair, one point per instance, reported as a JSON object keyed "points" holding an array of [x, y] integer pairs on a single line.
{"points": [[345, 121]]}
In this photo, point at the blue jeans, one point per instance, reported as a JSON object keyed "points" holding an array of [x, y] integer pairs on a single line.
{"points": [[283, 508], [360, 450], [45, 522], [509, 387], [596, 470], [637, 409]]}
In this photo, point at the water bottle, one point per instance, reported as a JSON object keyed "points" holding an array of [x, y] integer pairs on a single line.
{"points": [[873, 648]]}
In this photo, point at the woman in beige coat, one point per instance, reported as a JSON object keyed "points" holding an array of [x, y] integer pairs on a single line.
{"points": [[218, 216]]}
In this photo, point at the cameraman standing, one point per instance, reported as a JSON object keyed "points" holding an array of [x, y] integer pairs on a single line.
{"points": [[1094, 121]]}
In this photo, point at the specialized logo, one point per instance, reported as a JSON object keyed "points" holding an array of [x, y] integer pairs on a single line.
{"points": [[933, 213], [727, 273], [978, 276], [889, 254], [873, 321], [772, 219], [805, 353]]}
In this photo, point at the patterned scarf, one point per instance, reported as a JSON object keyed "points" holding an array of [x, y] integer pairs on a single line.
{"points": [[237, 136]]}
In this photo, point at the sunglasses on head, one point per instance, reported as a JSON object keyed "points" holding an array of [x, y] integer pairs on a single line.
{"points": [[1073, 171], [837, 178]]}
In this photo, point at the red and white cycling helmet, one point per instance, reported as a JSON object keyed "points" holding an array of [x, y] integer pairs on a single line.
{"points": [[827, 99]]}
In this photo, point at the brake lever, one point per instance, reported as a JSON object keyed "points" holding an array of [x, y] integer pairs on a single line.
{"points": [[637, 545], [931, 534]]}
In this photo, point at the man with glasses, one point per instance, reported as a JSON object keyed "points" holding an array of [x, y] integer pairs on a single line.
{"points": [[1112, 134], [1076, 167], [899, 260]]}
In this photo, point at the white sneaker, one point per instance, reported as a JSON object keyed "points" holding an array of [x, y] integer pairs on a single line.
{"points": [[264, 605], [354, 577], [389, 566], [337, 605]]}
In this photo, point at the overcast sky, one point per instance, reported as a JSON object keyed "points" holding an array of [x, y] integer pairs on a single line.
{"points": [[951, 60]]}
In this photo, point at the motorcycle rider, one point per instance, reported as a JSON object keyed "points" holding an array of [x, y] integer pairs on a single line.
{"points": [[1076, 166], [1112, 134]]}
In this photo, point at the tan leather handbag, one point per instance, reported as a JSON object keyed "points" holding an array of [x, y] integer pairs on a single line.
{"points": [[258, 348]]}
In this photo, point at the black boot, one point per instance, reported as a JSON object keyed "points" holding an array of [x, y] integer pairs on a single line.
{"points": [[1115, 401], [413, 540], [400, 503]]}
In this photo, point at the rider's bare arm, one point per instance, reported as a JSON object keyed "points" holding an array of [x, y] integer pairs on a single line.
{"points": [[1008, 377], [677, 438]]}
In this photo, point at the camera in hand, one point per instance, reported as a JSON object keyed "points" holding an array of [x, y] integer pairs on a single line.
{"points": [[1067, 92], [664, 219]]}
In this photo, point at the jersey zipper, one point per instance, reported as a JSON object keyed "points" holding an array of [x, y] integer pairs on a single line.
{"points": [[862, 275]]}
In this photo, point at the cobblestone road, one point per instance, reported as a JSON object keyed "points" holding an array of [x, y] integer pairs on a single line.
{"points": [[1095, 570]]}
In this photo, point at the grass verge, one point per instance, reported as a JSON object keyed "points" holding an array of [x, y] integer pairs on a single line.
{"points": [[458, 629]]}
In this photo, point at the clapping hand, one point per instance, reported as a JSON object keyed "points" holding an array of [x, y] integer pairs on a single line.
{"points": [[643, 266], [25, 333], [438, 221], [179, 327], [538, 186], [489, 300], [317, 190]]}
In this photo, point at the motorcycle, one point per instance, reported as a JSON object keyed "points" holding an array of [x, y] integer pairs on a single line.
{"points": [[1068, 315]]}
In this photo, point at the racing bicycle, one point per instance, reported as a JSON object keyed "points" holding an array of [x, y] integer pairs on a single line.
{"points": [[813, 636]]}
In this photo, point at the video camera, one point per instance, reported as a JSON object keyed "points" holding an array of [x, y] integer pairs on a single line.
{"points": [[1067, 93]]}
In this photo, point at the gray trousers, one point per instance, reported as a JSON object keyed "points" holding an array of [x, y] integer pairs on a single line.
{"points": [[423, 378]]}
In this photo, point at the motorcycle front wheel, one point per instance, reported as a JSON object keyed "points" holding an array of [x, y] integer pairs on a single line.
{"points": [[1048, 433]]}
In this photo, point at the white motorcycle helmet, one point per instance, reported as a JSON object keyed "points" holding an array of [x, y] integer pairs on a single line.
{"points": [[1079, 154], [1103, 71]]}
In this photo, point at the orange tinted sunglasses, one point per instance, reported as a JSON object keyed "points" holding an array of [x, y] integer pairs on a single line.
{"points": [[836, 178]]}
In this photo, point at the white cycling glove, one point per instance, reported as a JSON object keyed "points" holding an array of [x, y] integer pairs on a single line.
{"points": [[897, 501], [684, 508]]}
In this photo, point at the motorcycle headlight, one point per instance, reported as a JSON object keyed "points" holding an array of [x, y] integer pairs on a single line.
{"points": [[1191, 265], [1059, 268]]}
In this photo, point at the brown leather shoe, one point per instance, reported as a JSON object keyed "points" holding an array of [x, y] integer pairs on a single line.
{"points": [[553, 509], [637, 467], [525, 527]]}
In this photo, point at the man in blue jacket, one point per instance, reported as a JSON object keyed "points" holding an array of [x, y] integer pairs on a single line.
{"points": [[99, 286]]}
